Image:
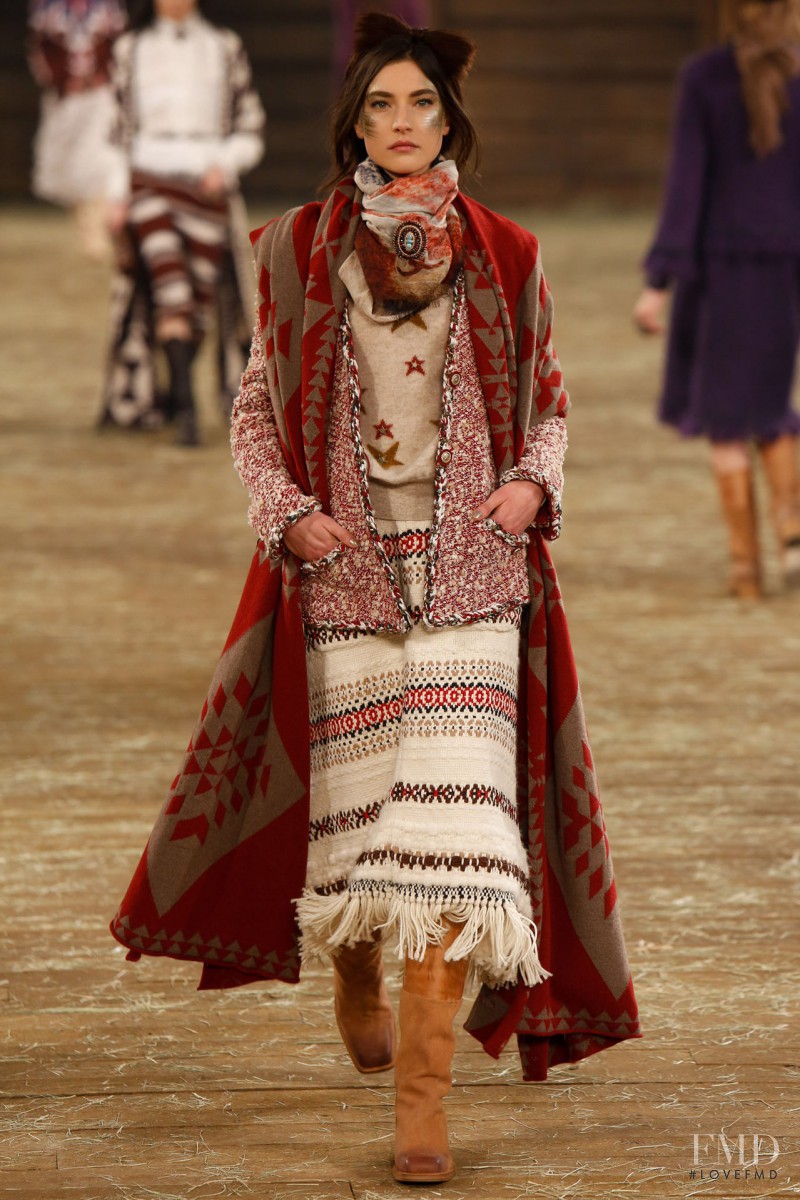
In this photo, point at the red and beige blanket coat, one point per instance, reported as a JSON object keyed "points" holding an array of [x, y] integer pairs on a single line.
{"points": [[228, 853]]}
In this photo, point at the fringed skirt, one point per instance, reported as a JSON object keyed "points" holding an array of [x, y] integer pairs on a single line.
{"points": [[413, 786]]}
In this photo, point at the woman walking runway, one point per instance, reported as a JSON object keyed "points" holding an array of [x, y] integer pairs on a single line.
{"points": [[393, 751]]}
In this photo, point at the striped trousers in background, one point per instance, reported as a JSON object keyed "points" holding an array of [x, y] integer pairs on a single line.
{"points": [[180, 235]]}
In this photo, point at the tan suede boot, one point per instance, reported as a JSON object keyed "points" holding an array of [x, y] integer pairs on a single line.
{"points": [[738, 506], [780, 466], [361, 1004], [429, 1001]]}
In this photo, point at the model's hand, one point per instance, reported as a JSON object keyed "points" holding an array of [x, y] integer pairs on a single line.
{"points": [[513, 506], [116, 216], [315, 536], [648, 309], [214, 183]]}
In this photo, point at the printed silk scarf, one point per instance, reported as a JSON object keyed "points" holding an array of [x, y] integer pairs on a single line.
{"points": [[409, 239]]}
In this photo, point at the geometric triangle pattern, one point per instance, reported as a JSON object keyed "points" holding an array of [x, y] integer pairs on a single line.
{"points": [[510, 320], [587, 1004], [252, 958], [473, 572], [227, 853], [510, 313], [237, 775], [584, 835], [242, 798], [221, 769]]}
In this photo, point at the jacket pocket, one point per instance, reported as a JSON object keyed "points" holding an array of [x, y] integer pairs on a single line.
{"points": [[477, 571], [516, 540], [321, 564]]}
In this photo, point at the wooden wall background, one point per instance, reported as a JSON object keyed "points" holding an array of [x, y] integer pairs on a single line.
{"points": [[572, 97]]}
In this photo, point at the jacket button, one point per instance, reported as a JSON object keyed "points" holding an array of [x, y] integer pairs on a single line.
{"points": [[445, 456], [455, 379]]}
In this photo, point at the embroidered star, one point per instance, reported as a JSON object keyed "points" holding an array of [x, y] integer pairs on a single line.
{"points": [[386, 458], [415, 364], [382, 429], [414, 318]]}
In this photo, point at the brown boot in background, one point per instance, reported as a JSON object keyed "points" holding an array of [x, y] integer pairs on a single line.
{"points": [[738, 507], [430, 999], [780, 466], [361, 1003]]}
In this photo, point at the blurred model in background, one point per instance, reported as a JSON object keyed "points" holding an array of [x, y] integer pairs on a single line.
{"points": [[187, 125], [69, 50], [729, 242]]}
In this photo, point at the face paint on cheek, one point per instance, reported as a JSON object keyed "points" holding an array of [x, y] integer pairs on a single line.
{"points": [[434, 119], [368, 122]]}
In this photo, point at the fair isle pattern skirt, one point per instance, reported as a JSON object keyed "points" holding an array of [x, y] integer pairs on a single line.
{"points": [[413, 785]]}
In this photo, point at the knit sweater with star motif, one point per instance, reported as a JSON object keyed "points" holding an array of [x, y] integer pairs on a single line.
{"points": [[400, 366]]}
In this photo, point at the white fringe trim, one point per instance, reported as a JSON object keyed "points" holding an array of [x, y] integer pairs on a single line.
{"points": [[499, 940]]}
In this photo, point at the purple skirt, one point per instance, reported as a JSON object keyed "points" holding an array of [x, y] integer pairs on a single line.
{"points": [[732, 348]]}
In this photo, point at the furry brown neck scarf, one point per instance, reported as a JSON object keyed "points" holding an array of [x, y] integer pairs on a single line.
{"points": [[409, 239]]}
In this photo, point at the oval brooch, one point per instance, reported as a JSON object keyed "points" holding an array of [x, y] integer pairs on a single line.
{"points": [[410, 240]]}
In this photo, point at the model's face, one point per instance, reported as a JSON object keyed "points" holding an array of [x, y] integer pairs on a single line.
{"points": [[402, 123], [175, 10]]}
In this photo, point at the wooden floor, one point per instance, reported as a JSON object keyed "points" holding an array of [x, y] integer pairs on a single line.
{"points": [[122, 562]]}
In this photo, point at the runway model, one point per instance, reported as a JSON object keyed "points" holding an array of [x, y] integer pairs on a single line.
{"points": [[69, 50], [393, 750], [729, 244], [188, 124]]}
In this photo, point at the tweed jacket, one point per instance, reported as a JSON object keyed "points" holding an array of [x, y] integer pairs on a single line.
{"points": [[474, 569]]}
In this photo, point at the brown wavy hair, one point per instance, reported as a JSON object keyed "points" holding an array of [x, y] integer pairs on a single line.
{"points": [[765, 36], [444, 57], [731, 17]]}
